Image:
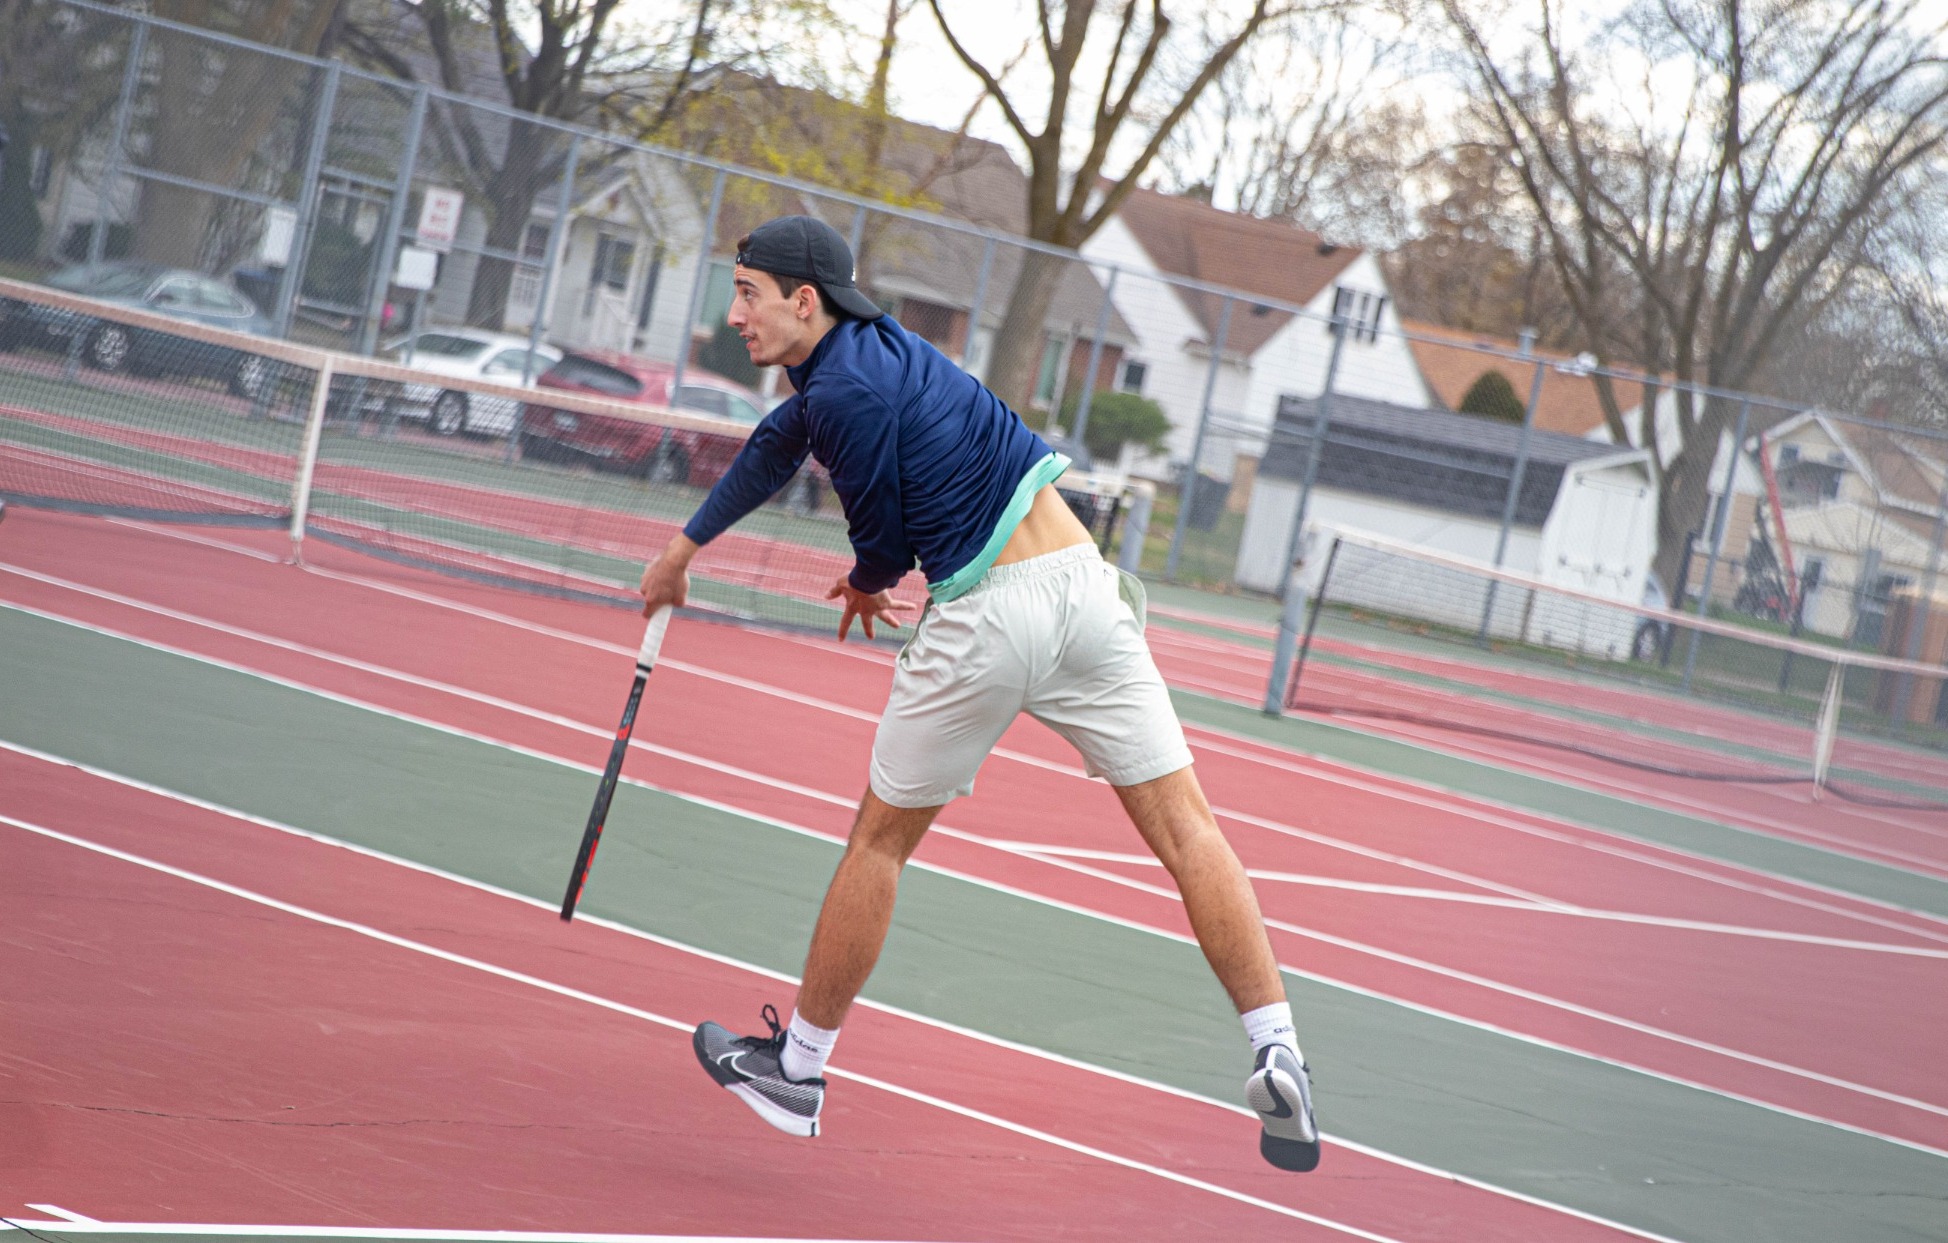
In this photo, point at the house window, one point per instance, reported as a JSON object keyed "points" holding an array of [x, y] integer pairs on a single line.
{"points": [[613, 259], [1132, 377], [1361, 311], [534, 244]]}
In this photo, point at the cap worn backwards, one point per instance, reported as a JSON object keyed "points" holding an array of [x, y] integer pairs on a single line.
{"points": [[809, 249]]}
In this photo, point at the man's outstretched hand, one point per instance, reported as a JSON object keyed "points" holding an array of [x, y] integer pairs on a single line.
{"points": [[867, 606], [666, 580]]}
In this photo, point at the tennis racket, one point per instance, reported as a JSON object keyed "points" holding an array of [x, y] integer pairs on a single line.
{"points": [[592, 835]]}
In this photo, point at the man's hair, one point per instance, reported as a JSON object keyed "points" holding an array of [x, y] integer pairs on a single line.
{"points": [[789, 285]]}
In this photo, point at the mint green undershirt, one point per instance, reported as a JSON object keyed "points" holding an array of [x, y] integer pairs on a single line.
{"points": [[961, 581]]}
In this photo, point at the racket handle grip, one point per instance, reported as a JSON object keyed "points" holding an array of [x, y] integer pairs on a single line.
{"points": [[659, 624]]}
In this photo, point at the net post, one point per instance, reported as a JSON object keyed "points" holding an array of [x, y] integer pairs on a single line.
{"points": [[314, 434], [1291, 689], [1828, 727]]}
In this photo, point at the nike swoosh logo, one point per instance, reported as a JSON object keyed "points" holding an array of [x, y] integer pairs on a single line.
{"points": [[1279, 1108]]}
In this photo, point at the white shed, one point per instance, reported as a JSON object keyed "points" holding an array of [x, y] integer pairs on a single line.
{"points": [[1586, 517]]}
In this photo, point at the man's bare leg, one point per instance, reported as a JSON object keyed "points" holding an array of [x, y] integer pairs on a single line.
{"points": [[858, 907], [1177, 825]]}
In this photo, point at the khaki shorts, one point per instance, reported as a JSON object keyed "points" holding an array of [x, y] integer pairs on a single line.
{"points": [[1059, 637]]}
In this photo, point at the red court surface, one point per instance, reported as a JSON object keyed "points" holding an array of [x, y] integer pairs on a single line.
{"points": [[212, 1031], [1688, 968]]}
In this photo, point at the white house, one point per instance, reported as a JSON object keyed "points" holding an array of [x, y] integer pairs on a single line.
{"points": [[1265, 353], [1585, 518]]}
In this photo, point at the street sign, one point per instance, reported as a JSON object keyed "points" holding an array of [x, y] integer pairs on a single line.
{"points": [[439, 218]]}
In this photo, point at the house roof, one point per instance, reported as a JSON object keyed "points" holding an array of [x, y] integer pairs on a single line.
{"points": [[1272, 258], [1905, 466], [1568, 404], [1460, 463], [963, 178]]}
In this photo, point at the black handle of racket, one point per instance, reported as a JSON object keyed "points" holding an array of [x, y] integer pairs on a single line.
{"points": [[592, 835]]}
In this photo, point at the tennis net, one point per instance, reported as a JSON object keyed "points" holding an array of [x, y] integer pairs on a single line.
{"points": [[562, 485], [1411, 636]]}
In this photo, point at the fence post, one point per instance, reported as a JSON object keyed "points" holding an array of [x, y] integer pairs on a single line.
{"points": [[402, 190], [1095, 360], [1189, 491], [1721, 518], [551, 262], [1293, 613], [117, 147], [974, 311], [697, 284], [291, 287], [314, 433], [1515, 477]]}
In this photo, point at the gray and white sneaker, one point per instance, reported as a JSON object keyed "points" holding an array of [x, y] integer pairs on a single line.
{"points": [[750, 1067], [1280, 1089]]}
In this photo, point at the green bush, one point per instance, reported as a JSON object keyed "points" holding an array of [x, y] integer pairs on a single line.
{"points": [[1493, 397], [725, 354], [1118, 419]]}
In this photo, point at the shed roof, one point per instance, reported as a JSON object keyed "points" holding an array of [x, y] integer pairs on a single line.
{"points": [[1455, 462]]}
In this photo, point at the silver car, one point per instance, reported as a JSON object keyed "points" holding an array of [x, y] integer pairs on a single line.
{"points": [[475, 354]]}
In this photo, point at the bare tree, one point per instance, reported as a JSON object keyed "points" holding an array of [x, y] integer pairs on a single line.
{"points": [[1307, 127], [1116, 100], [1716, 168], [213, 108]]}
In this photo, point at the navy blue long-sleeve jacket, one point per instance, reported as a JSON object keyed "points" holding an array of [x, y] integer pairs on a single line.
{"points": [[923, 457]]}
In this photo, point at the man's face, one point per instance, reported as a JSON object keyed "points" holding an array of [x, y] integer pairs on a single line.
{"points": [[777, 330]]}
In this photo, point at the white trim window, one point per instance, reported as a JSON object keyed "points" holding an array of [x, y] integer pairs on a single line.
{"points": [[1362, 311]]}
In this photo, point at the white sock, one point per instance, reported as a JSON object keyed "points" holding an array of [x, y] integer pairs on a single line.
{"points": [[806, 1048], [1270, 1025]]}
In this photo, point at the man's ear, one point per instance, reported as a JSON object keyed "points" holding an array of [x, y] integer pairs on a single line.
{"points": [[807, 302]]}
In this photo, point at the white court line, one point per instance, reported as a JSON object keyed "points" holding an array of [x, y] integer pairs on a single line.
{"points": [[664, 1021], [1316, 767], [1481, 899], [1169, 894], [88, 1225], [56, 1210], [1524, 898], [792, 980]]}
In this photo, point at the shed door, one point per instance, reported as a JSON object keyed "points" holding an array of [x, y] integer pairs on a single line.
{"points": [[1604, 533]]}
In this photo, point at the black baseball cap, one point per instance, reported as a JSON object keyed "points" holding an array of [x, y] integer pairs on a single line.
{"points": [[809, 249]]}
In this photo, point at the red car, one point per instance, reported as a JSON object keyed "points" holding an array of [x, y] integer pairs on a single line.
{"points": [[645, 449]]}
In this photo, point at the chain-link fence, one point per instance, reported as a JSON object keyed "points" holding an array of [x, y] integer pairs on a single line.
{"points": [[1258, 375]]}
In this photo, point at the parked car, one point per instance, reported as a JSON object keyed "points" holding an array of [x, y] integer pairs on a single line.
{"points": [[110, 346], [475, 354], [645, 449]]}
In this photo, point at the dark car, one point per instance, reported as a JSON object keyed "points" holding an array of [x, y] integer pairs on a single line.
{"points": [[646, 449], [110, 346]]}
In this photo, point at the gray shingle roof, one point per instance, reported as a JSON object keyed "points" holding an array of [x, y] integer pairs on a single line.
{"points": [[1454, 462]]}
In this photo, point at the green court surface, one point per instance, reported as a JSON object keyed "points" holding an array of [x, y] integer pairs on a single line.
{"points": [[1676, 1161]]}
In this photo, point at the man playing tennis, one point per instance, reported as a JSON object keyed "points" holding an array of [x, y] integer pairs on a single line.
{"points": [[1024, 616]]}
